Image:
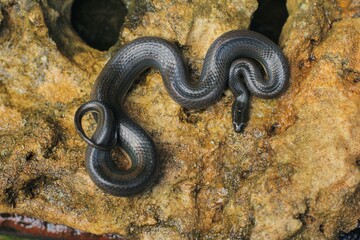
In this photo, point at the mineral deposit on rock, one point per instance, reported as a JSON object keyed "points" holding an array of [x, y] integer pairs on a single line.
{"points": [[294, 172]]}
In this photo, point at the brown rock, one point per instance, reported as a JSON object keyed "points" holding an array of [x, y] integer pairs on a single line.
{"points": [[314, 179], [293, 173]]}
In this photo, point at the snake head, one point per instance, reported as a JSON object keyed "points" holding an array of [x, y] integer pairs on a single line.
{"points": [[239, 115]]}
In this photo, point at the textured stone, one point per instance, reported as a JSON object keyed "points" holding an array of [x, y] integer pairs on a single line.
{"points": [[294, 172]]}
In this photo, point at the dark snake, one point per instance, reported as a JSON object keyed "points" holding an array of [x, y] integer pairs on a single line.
{"points": [[234, 59]]}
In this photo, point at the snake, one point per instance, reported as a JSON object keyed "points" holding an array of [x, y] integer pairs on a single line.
{"points": [[243, 60]]}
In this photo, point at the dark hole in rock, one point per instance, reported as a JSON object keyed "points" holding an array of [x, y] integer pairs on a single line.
{"points": [[4, 23], [358, 162], [29, 156], [269, 18], [1, 17], [32, 185], [10, 197], [98, 22], [273, 128]]}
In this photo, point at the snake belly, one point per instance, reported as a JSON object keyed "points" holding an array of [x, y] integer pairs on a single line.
{"points": [[233, 59]]}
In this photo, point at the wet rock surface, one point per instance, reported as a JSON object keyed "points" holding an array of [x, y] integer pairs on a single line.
{"points": [[294, 172]]}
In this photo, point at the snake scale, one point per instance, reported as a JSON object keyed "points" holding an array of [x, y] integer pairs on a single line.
{"points": [[234, 59]]}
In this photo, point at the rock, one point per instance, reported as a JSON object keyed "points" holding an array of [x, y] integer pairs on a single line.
{"points": [[294, 172], [316, 151]]}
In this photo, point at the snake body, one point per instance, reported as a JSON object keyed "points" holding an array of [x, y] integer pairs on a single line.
{"points": [[233, 59]]}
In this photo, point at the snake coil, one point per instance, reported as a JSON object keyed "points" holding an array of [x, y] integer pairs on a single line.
{"points": [[233, 59]]}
